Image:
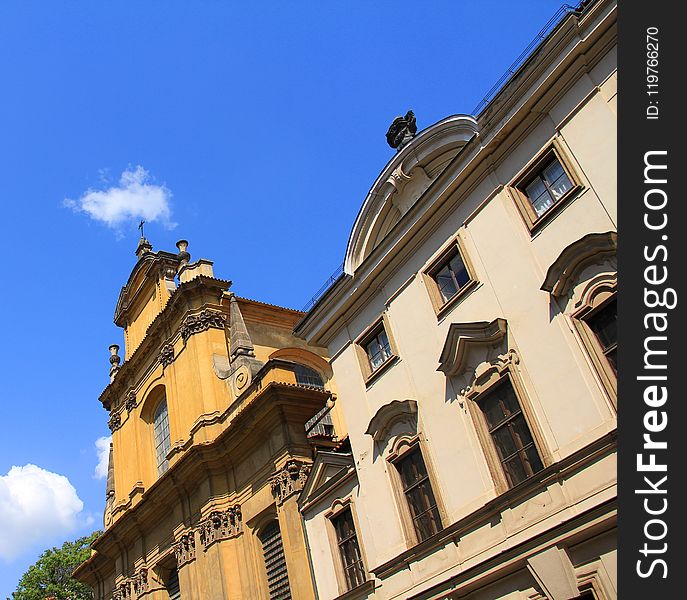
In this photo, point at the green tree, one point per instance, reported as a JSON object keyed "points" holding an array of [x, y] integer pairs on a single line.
{"points": [[51, 575]]}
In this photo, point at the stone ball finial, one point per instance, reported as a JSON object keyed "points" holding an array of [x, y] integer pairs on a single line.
{"points": [[183, 256]]}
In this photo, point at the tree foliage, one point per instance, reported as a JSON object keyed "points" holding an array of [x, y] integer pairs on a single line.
{"points": [[51, 575]]}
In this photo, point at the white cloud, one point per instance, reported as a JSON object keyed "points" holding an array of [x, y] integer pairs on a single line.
{"points": [[36, 506], [102, 448], [135, 198]]}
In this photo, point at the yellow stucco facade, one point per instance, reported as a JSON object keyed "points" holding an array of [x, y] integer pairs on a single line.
{"points": [[208, 414]]}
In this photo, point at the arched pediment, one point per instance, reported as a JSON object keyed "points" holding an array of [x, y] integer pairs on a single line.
{"points": [[389, 414], [404, 179], [575, 257], [461, 336]]}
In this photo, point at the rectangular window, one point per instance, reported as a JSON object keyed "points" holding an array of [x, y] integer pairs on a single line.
{"points": [[548, 187], [349, 551], [378, 349], [544, 186], [510, 433], [450, 276], [419, 494], [603, 323]]}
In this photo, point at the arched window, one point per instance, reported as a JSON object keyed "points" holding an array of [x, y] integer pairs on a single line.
{"points": [[275, 562], [307, 376], [162, 438]]}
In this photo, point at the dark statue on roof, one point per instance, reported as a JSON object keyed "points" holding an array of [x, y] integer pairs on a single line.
{"points": [[401, 130]]}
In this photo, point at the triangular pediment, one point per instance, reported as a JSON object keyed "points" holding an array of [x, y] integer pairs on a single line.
{"points": [[328, 469]]}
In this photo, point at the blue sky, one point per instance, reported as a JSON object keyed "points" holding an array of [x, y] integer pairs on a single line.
{"points": [[254, 130]]}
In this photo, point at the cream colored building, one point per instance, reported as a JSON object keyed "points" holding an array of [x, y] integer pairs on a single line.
{"points": [[214, 413], [472, 339]]}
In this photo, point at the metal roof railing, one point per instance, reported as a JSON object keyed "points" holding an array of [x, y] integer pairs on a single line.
{"points": [[327, 284]]}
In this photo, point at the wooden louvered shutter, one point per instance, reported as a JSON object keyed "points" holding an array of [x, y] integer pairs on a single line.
{"points": [[173, 586], [275, 563]]}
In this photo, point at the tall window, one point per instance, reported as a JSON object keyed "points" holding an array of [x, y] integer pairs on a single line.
{"points": [[307, 376], [162, 438], [603, 323], [378, 349], [419, 494], [511, 435], [349, 551], [275, 562]]}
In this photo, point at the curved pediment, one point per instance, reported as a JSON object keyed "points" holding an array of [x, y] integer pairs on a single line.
{"points": [[404, 179], [389, 414], [591, 248], [462, 336]]}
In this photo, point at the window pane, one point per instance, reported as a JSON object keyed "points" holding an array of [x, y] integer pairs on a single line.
{"points": [[446, 283], [419, 494], [307, 376], [349, 549], [459, 270], [604, 325], [161, 435], [378, 349], [514, 470]]}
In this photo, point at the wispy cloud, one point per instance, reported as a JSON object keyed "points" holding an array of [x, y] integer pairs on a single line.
{"points": [[36, 506], [135, 197], [102, 449]]}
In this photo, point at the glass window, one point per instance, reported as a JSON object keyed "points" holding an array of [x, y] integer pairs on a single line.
{"points": [[307, 376], [549, 185], [378, 349], [451, 276], [511, 435], [347, 540], [162, 438], [603, 323], [419, 494]]}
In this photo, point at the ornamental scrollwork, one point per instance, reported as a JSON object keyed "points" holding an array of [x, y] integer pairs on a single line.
{"points": [[140, 581], [202, 321], [122, 591], [185, 548], [166, 355], [130, 400], [115, 421], [289, 480], [220, 525]]}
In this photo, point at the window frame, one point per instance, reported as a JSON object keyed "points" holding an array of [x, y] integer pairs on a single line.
{"points": [[339, 507], [532, 170], [501, 375], [402, 449], [597, 298], [454, 247], [158, 465], [370, 374]]}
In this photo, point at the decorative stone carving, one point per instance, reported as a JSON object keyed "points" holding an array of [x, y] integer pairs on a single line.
{"points": [[140, 581], [115, 421], [202, 321], [220, 525], [289, 480], [185, 548], [130, 400], [402, 130], [122, 591], [166, 355]]}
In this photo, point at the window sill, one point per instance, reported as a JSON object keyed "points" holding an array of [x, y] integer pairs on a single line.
{"points": [[392, 360], [361, 591], [453, 300], [534, 225]]}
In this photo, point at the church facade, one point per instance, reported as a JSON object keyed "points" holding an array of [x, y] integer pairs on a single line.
{"points": [[441, 424]]}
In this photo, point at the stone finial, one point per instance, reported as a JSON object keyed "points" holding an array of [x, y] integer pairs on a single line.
{"points": [[143, 246], [115, 361], [402, 130], [183, 256]]}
